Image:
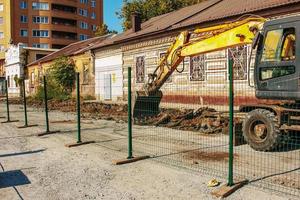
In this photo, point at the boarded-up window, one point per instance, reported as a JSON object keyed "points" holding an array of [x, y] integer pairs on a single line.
{"points": [[85, 73], [32, 79], [239, 57], [140, 69], [197, 68]]}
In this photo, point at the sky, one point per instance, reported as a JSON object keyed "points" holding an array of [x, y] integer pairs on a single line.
{"points": [[110, 17]]}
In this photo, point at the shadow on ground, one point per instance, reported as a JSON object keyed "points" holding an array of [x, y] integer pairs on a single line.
{"points": [[13, 178]]}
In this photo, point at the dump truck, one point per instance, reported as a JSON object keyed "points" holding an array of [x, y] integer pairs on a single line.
{"points": [[276, 74]]}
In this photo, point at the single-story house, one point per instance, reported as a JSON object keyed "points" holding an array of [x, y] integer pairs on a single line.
{"points": [[204, 78], [82, 57], [16, 58], [108, 71]]}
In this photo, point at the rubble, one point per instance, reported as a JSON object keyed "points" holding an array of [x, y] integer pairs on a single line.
{"points": [[204, 119]]}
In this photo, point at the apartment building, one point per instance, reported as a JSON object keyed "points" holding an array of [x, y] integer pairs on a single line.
{"points": [[48, 23]]}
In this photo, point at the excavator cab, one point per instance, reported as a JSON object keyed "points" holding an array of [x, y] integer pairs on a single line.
{"points": [[276, 66]]}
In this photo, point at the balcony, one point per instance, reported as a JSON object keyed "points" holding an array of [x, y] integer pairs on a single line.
{"points": [[64, 22], [64, 35], [64, 8]]}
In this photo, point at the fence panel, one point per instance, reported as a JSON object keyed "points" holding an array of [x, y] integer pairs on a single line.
{"points": [[103, 111], [191, 127], [271, 159]]}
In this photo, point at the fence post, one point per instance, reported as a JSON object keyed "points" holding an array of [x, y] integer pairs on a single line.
{"points": [[25, 106], [231, 123], [7, 106], [46, 110], [25, 103], [129, 116], [130, 158], [79, 142], [78, 108], [46, 104], [7, 103], [1, 117]]}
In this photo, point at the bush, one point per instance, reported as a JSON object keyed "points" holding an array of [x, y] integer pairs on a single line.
{"points": [[54, 91], [63, 72]]}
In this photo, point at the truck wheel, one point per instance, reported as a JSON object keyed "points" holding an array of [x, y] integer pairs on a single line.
{"points": [[261, 130]]}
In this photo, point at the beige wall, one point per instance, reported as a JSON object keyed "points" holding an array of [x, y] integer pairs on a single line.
{"points": [[83, 64]]}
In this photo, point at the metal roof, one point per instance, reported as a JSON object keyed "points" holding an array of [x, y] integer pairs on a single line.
{"points": [[199, 14], [72, 49], [195, 15]]}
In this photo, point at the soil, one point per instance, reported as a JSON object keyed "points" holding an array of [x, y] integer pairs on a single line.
{"points": [[204, 119], [38, 168], [208, 156]]}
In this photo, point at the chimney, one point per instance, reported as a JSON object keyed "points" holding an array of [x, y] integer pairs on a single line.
{"points": [[136, 22]]}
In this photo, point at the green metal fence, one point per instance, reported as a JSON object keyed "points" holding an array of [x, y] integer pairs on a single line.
{"points": [[199, 125]]}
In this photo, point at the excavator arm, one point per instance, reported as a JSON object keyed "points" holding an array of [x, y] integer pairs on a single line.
{"points": [[199, 41]]}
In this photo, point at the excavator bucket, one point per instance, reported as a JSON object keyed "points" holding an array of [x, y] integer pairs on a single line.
{"points": [[146, 105]]}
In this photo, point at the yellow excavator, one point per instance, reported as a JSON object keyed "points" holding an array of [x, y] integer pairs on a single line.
{"points": [[188, 43], [276, 73]]}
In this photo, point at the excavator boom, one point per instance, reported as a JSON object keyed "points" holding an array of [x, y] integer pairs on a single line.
{"points": [[199, 41]]}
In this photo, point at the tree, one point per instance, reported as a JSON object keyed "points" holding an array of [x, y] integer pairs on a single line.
{"points": [[63, 72], [103, 30], [150, 8]]}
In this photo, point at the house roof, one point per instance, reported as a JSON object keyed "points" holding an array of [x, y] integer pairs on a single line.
{"points": [[198, 14], [40, 49], [72, 49], [195, 15]]}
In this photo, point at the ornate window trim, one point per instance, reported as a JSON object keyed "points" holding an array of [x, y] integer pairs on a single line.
{"points": [[140, 69], [239, 55], [197, 68]]}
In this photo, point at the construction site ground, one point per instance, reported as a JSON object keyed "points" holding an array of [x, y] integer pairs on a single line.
{"points": [[43, 168]]}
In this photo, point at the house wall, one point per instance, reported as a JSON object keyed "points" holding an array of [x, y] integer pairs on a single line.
{"points": [[2, 67], [12, 71], [83, 65], [32, 54], [108, 74], [204, 80]]}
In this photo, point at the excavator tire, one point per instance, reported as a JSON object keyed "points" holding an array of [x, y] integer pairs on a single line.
{"points": [[261, 130]]}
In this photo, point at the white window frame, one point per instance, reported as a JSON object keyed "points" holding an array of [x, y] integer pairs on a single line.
{"points": [[41, 33], [83, 37], [41, 45], [40, 6], [40, 19], [84, 1], [23, 5], [93, 3], [24, 17], [83, 12], [23, 31], [84, 25], [93, 15]]}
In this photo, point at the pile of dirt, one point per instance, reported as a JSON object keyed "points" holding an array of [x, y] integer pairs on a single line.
{"points": [[204, 119], [207, 156]]}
